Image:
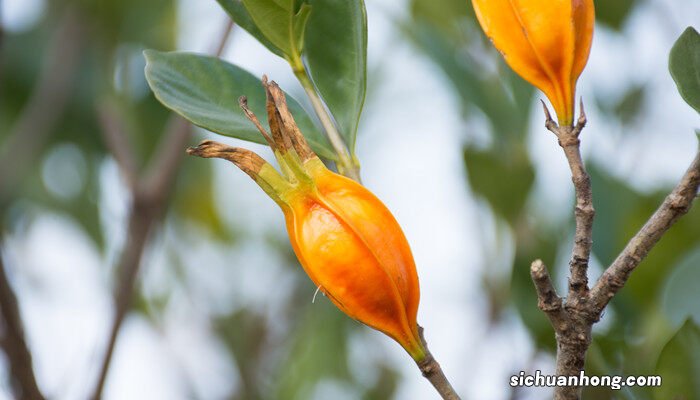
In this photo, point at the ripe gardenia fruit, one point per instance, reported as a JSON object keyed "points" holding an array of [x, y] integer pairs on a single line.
{"points": [[348, 242], [546, 42]]}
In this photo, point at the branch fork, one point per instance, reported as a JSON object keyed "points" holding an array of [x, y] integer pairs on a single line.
{"points": [[573, 318]]}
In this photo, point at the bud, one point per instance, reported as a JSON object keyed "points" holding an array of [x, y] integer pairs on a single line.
{"points": [[546, 42], [348, 242]]}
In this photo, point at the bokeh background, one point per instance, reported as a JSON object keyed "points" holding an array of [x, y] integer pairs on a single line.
{"points": [[450, 139]]}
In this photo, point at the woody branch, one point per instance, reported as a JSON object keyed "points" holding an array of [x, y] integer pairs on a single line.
{"points": [[573, 319]]}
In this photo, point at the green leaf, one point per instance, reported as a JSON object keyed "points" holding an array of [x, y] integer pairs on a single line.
{"points": [[440, 13], [240, 15], [318, 350], [282, 22], [679, 296], [684, 64], [336, 56], [614, 13], [205, 90], [631, 104], [299, 26], [679, 365], [504, 180]]}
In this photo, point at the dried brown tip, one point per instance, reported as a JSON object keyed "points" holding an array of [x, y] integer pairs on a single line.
{"points": [[285, 121], [582, 119], [549, 122], [246, 160], [282, 142], [243, 103]]}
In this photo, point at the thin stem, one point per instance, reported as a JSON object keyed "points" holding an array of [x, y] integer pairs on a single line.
{"points": [[572, 320], [568, 136], [13, 343], [141, 222], [432, 371], [676, 204], [117, 141], [150, 194], [346, 165]]}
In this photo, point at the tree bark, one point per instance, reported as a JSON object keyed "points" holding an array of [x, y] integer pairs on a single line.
{"points": [[573, 319]]}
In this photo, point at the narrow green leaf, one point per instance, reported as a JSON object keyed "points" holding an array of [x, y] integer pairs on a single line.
{"points": [[299, 26], [240, 15], [684, 64], [282, 22], [205, 90], [335, 48], [679, 365]]}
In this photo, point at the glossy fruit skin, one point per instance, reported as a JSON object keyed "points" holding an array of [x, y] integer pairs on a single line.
{"points": [[547, 42], [346, 239], [353, 248]]}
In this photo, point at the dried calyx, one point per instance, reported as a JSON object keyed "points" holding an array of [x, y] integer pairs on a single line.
{"points": [[346, 239]]}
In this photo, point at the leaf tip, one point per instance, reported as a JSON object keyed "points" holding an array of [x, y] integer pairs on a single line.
{"points": [[150, 54]]}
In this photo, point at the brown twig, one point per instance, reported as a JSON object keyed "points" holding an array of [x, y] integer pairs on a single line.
{"points": [[432, 371], [149, 197], [142, 217], [12, 340], [35, 123], [572, 327], [675, 205], [117, 141], [548, 300], [568, 137], [219, 46], [150, 193], [573, 319]]}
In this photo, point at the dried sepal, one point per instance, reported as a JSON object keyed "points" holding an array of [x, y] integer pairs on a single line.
{"points": [[348, 242]]}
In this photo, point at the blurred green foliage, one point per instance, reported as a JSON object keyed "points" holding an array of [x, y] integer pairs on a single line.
{"points": [[642, 332], [614, 13], [680, 286], [679, 364], [108, 71]]}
